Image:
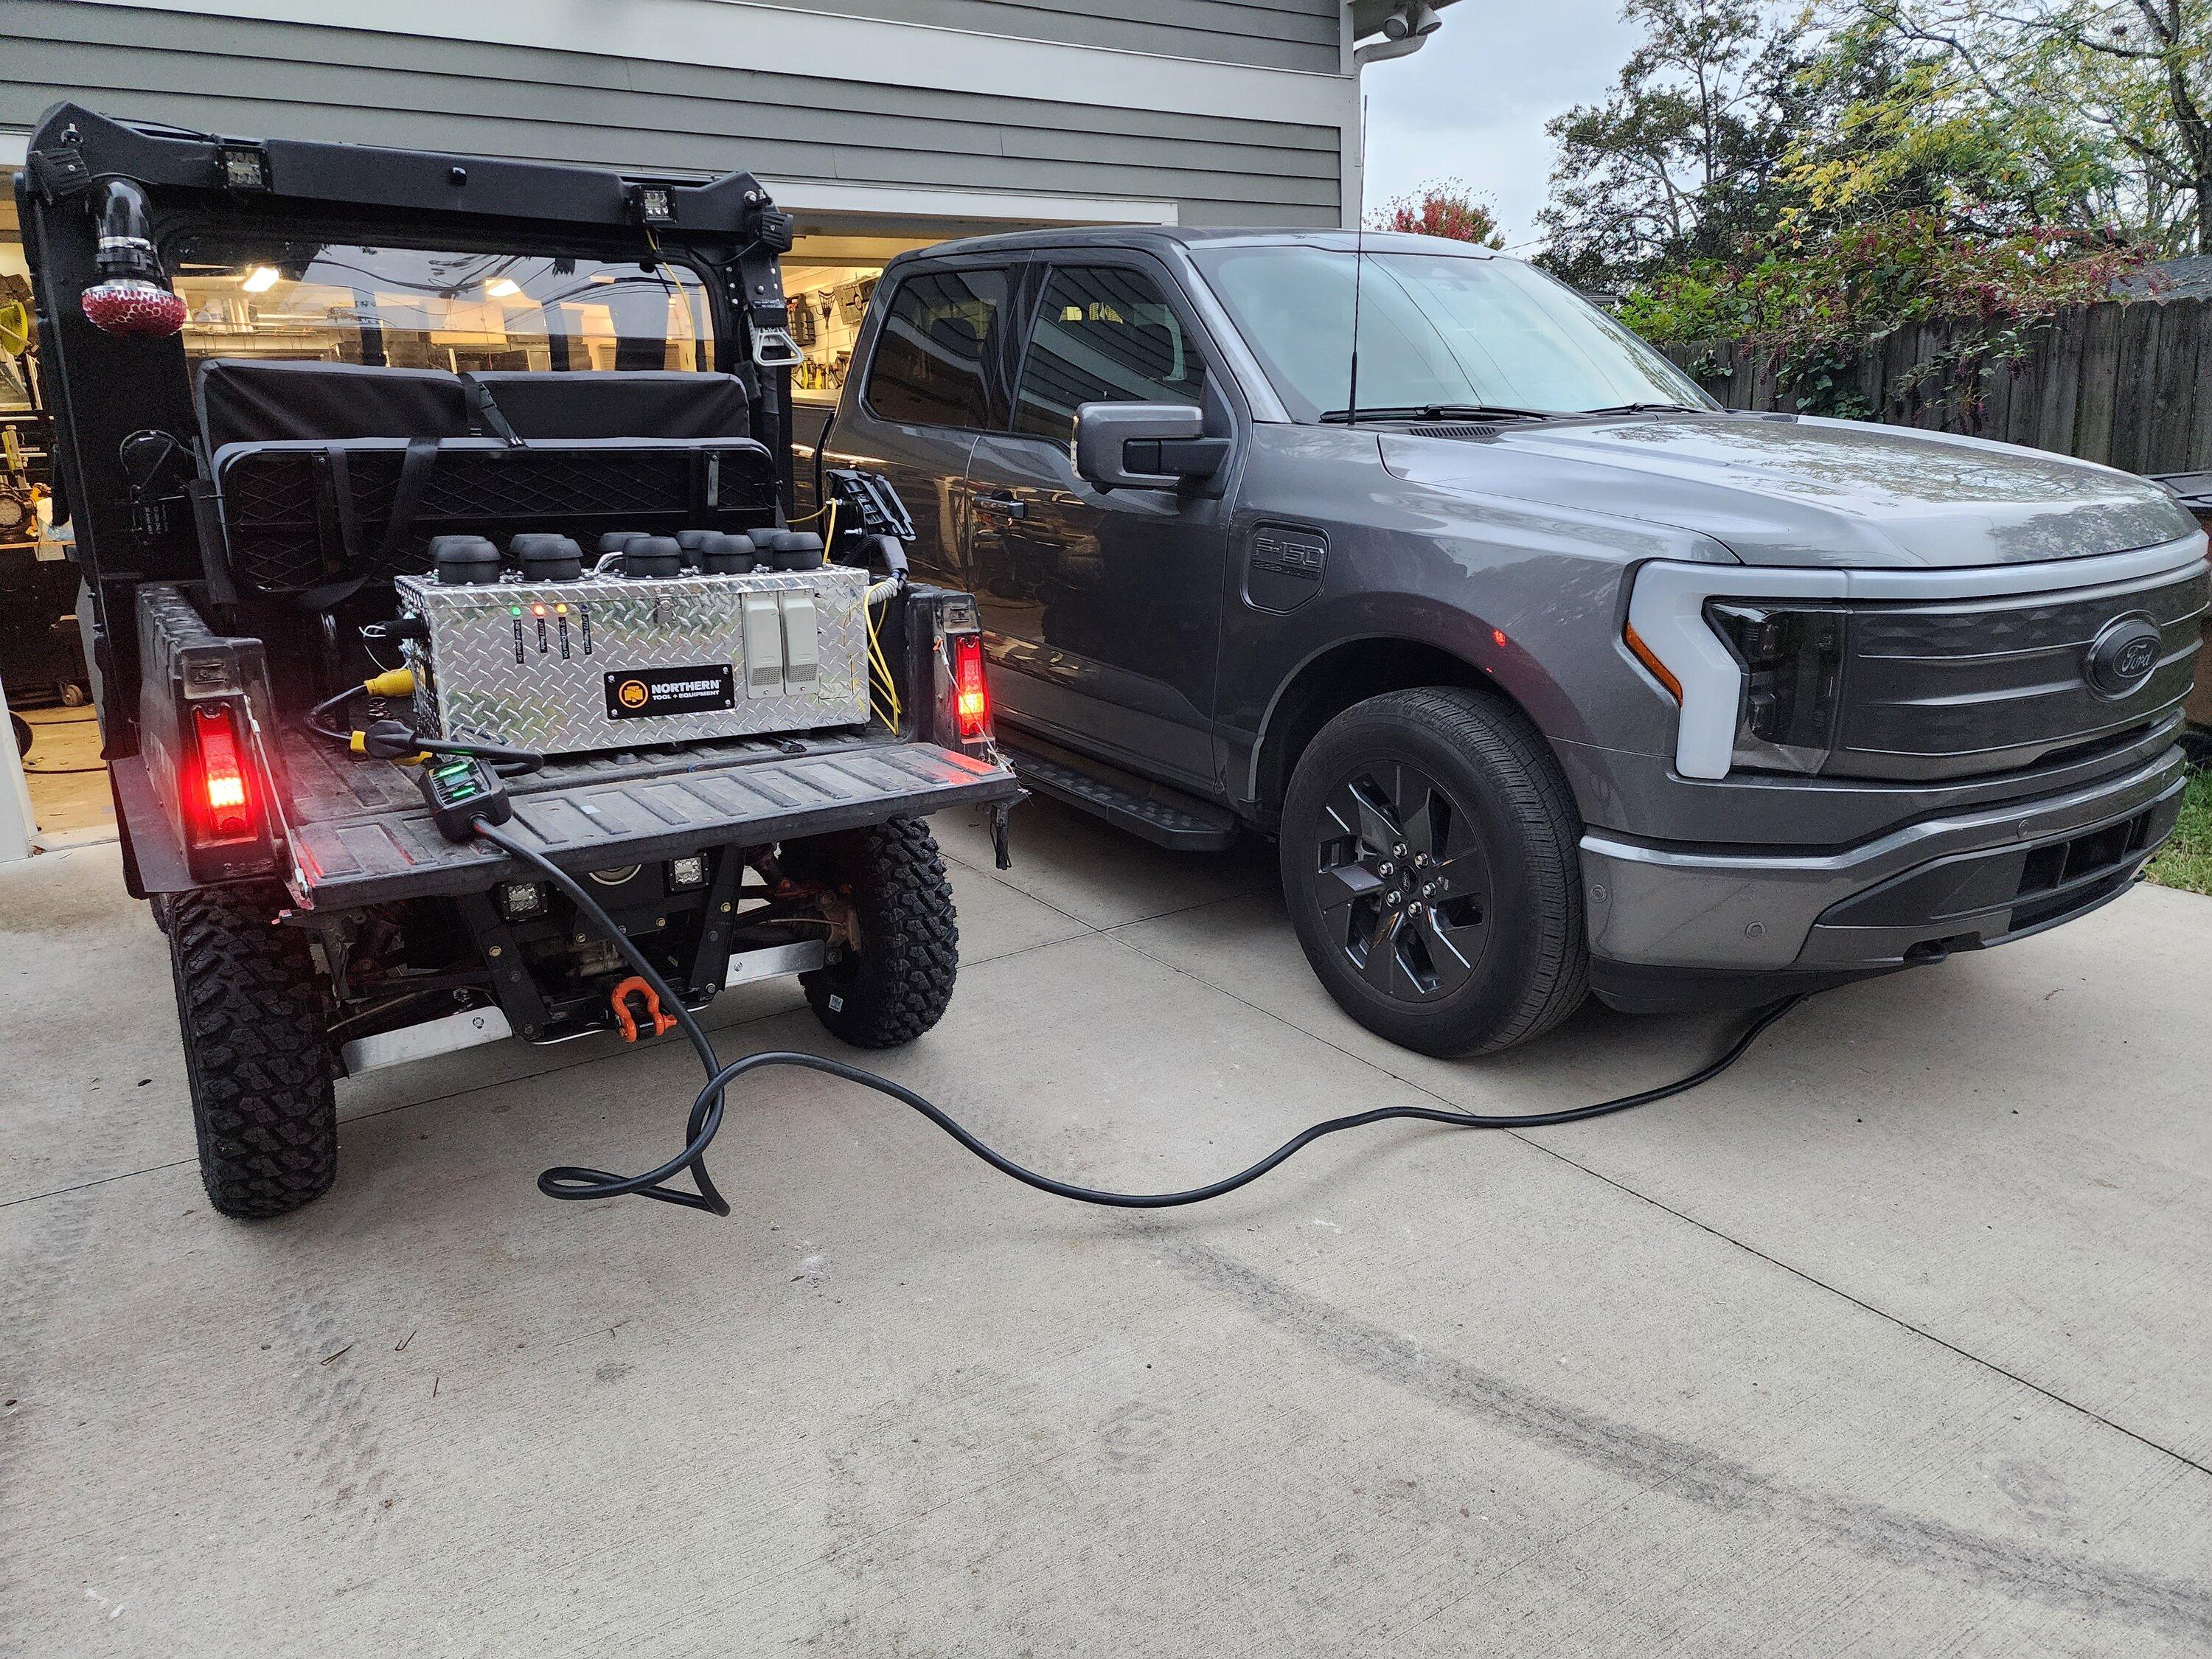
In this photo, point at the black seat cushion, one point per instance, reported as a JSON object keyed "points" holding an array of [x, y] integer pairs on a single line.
{"points": [[246, 400], [621, 404]]}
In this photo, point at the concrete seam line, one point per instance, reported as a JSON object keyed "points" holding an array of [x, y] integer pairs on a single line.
{"points": [[1797, 1272]]}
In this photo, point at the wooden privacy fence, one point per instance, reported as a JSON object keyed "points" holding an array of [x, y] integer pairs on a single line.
{"points": [[2126, 383]]}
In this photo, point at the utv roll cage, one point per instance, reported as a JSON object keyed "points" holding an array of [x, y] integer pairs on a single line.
{"points": [[147, 513]]}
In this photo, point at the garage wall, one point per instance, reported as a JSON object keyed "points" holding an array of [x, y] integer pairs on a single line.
{"points": [[1296, 34], [252, 76]]}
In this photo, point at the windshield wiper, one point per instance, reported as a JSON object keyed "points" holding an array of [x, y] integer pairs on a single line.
{"points": [[1646, 409], [1440, 411]]}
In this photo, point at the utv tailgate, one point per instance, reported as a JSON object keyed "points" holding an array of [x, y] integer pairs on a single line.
{"points": [[361, 836]]}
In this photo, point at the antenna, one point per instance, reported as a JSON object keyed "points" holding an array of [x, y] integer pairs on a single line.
{"points": [[1358, 270]]}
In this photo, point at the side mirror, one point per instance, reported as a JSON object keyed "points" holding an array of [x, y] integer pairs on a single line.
{"points": [[1144, 446]]}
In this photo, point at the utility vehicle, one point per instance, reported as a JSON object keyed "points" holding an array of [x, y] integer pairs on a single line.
{"points": [[539, 451]]}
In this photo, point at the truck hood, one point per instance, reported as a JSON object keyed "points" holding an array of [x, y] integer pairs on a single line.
{"points": [[1810, 492]]}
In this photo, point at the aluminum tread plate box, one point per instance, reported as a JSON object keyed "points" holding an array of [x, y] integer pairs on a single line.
{"points": [[609, 662], [359, 833]]}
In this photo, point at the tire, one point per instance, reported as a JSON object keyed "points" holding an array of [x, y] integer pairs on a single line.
{"points": [[256, 1052], [1482, 946], [24, 733], [895, 982]]}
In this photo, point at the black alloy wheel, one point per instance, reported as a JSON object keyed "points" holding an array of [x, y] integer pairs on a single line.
{"points": [[1401, 883]]}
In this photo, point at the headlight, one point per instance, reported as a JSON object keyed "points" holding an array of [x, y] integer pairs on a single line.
{"points": [[1753, 654], [1792, 658]]}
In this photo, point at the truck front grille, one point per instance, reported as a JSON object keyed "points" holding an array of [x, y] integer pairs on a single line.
{"points": [[1988, 685]]}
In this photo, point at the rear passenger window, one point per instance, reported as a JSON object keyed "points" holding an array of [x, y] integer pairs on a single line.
{"points": [[1104, 334], [929, 361]]}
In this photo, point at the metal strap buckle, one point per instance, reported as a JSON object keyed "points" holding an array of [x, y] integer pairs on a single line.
{"points": [[774, 348]]}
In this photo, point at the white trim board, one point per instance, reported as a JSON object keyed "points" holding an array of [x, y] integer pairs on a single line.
{"points": [[786, 41], [901, 202]]}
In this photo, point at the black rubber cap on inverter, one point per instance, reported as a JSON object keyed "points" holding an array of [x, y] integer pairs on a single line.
{"points": [[464, 561], [614, 541], [654, 555], [546, 557], [692, 540], [725, 554], [796, 549]]}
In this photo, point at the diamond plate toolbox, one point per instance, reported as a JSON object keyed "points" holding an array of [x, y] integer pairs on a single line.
{"points": [[612, 662]]}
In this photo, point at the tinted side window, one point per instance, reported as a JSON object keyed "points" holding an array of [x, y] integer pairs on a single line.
{"points": [[929, 361], [1103, 334]]}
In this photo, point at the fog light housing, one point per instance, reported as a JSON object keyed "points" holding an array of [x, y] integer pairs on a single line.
{"points": [[1792, 658], [522, 901], [688, 873]]}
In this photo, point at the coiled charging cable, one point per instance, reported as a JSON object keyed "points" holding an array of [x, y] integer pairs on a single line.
{"points": [[568, 1181]]}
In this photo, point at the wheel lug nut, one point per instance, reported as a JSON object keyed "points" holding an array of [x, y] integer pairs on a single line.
{"points": [[1387, 867], [1399, 851]]}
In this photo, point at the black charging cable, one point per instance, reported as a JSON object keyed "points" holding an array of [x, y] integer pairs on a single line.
{"points": [[571, 1183]]}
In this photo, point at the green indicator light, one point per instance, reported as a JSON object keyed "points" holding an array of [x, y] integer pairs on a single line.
{"points": [[514, 610]]}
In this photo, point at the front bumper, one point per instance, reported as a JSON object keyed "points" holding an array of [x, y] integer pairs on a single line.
{"points": [[1913, 894]]}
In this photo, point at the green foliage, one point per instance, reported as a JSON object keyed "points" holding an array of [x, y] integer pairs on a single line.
{"points": [[1805, 286], [1810, 298], [2186, 860], [2104, 106], [1445, 208]]}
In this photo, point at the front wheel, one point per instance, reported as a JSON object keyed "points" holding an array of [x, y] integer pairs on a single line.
{"points": [[895, 977], [257, 1051], [1428, 861]]}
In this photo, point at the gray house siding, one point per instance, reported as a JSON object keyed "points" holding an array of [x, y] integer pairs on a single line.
{"points": [[298, 81], [1294, 34]]}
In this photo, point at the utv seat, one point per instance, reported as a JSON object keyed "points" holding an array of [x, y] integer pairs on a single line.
{"points": [[331, 474]]}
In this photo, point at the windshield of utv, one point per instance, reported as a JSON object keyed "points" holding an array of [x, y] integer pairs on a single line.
{"points": [[416, 309]]}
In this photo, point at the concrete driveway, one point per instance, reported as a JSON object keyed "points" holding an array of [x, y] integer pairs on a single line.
{"points": [[1895, 1341]]}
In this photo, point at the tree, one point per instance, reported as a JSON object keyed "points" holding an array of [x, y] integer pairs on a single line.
{"points": [[1442, 209], [1683, 158], [2129, 81]]}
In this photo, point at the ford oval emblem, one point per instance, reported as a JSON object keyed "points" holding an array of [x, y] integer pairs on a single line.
{"points": [[2123, 656]]}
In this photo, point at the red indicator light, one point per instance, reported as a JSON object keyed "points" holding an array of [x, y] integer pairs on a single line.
{"points": [[971, 698], [537, 610], [222, 776], [1497, 638]]}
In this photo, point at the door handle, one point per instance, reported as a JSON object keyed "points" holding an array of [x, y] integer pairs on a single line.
{"points": [[1002, 506]]}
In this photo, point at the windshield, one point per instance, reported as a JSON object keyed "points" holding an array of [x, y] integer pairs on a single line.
{"points": [[413, 308], [1436, 330]]}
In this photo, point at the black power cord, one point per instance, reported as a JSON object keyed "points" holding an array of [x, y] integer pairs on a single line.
{"points": [[568, 1182]]}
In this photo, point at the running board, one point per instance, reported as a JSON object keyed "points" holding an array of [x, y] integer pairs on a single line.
{"points": [[1165, 816]]}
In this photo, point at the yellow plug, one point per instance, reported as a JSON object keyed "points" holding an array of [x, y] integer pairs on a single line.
{"points": [[395, 683]]}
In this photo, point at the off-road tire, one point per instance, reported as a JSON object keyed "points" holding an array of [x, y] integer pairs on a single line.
{"points": [[1533, 967], [895, 983], [257, 1051]]}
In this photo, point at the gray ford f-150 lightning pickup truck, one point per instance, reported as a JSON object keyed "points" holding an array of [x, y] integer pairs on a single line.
{"points": [[1547, 674]]}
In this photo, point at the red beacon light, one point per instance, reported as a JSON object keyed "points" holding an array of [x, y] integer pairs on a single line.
{"points": [[131, 305], [132, 296]]}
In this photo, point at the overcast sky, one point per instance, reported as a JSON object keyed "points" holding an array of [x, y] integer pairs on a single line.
{"points": [[1471, 104]]}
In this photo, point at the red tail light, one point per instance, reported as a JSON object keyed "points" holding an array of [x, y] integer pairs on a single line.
{"points": [[226, 792], [971, 698]]}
